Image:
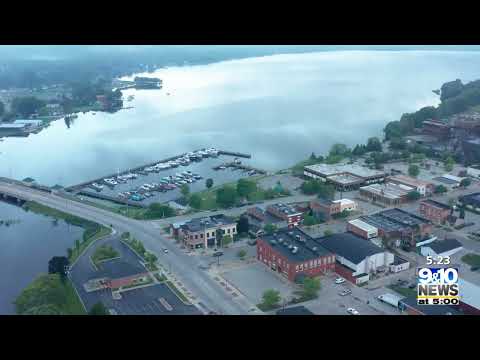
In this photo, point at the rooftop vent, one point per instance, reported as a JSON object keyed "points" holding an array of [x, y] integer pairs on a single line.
{"points": [[314, 248], [297, 237], [290, 246], [295, 250]]}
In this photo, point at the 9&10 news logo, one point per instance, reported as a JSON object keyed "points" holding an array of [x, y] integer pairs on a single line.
{"points": [[437, 286]]}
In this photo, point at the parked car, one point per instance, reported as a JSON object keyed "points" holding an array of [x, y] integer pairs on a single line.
{"points": [[165, 251], [345, 292], [352, 311], [339, 280], [218, 253]]}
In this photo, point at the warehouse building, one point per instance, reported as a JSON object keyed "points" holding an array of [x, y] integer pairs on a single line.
{"points": [[397, 224], [443, 248], [471, 201], [344, 177], [294, 254], [423, 187], [362, 229], [355, 257], [388, 194], [449, 181], [435, 211]]}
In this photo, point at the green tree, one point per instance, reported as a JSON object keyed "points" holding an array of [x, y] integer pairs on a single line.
{"points": [[226, 196], [413, 170], [374, 144], [465, 182], [326, 191], [270, 299], [77, 245], [312, 156], [125, 235], [462, 213], [339, 150], [98, 309], [226, 240], [448, 164], [270, 194], [185, 190], [246, 187], [327, 232], [309, 220], [440, 189], [195, 201], [311, 286], [26, 106], [157, 210], [414, 195], [69, 252], [241, 254], [209, 183], [58, 265], [269, 229]]}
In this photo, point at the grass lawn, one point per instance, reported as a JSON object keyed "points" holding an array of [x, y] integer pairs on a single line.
{"points": [[177, 292], [404, 291], [103, 253], [471, 259], [74, 305], [104, 231]]}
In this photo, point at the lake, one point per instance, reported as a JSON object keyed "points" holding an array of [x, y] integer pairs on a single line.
{"points": [[278, 108], [26, 247]]}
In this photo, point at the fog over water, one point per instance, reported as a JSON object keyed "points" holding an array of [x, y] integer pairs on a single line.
{"points": [[278, 108]]}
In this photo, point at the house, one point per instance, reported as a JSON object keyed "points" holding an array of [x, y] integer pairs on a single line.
{"points": [[344, 176], [202, 232], [399, 264], [355, 257], [288, 213], [423, 187], [442, 248], [362, 229], [294, 254], [410, 306], [434, 211]]}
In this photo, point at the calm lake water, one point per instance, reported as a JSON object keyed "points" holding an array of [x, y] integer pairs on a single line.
{"points": [[25, 252], [278, 108]]}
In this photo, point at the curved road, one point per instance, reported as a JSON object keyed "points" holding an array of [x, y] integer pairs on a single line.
{"points": [[183, 266]]}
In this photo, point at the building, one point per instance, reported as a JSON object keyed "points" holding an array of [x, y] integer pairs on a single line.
{"points": [[362, 229], [434, 211], [20, 127], [295, 310], [256, 213], [399, 264], [389, 194], [356, 258], [449, 181], [469, 297], [294, 254], [288, 213], [471, 201], [344, 177], [471, 151], [436, 128], [410, 306], [397, 224], [202, 232], [327, 208], [423, 187], [442, 248]]}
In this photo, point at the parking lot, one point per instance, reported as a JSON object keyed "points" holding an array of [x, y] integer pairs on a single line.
{"points": [[253, 279], [288, 182]]}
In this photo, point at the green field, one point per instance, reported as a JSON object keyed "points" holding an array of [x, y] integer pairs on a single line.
{"points": [[404, 291], [471, 259]]}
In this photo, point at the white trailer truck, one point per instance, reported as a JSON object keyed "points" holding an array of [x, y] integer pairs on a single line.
{"points": [[390, 299]]}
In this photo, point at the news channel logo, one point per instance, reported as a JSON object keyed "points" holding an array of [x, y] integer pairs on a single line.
{"points": [[437, 286]]}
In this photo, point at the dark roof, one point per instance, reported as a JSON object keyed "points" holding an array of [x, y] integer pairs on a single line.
{"points": [[398, 260], [444, 245], [473, 199], [349, 246], [436, 204], [295, 310], [394, 220], [411, 302], [284, 240], [207, 222], [284, 208], [445, 180]]}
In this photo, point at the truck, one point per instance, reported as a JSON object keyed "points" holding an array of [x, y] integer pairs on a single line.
{"points": [[390, 299]]}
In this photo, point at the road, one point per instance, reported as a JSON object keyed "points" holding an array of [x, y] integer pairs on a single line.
{"points": [[183, 266]]}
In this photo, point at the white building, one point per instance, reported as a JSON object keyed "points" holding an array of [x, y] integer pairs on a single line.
{"points": [[473, 171], [346, 204], [362, 229], [442, 248]]}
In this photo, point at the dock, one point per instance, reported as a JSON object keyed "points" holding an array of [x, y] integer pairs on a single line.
{"points": [[140, 169], [114, 199], [239, 166]]}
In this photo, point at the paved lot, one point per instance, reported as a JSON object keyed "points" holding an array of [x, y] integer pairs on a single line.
{"points": [[288, 182], [253, 279], [143, 301]]}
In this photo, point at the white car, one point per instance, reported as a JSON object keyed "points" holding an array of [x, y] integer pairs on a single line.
{"points": [[339, 280], [352, 311], [165, 251]]}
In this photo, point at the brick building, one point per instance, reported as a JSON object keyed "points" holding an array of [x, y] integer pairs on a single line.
{"points": [[423, 187], [202, 232], [434, 211], [293, 254], [327, 208], [256, 213], [288, 213]]}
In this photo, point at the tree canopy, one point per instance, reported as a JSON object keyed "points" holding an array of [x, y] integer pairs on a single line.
{"points": [[242, 224], [195, 201], [226, 196], [58, 265], [98, 309], [413, 170], [26, 106], [246, 187]]}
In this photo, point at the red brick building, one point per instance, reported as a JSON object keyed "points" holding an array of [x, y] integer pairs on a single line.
{"points": [[291, 253], [325, 208], [434, 211], [292, 216], [256, 213]]}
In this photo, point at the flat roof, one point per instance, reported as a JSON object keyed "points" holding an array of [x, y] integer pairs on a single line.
{"points": [[345, 179], [344, 202], [408, 180], [363, 225], [350, 246], [198, 224], [436, 204], [284, 208], [388, 190], [474, 197], [285, 239], [338, 169], [394, 220], [469, 293], [445, 180], [12, 126], [444, 245]]}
